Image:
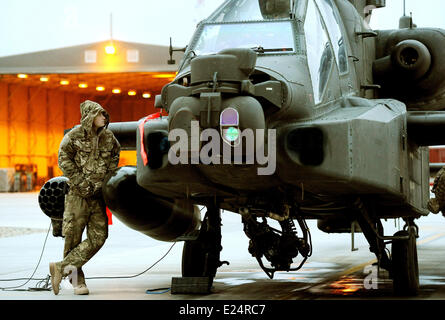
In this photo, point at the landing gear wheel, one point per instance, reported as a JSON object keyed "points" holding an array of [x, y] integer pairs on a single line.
{"points": [[193, 259], [405, 265], [200, 257]]}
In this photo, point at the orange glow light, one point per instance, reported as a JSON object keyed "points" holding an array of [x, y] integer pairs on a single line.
{"points": [[164, 75], [44, 79], [83, 85], [345, 286], [100, 88], [22, 76], [64, 82], [146, 95], [116, 90], [131, 93]]}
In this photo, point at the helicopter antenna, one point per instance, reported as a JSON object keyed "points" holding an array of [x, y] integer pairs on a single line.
{"points": [[405, 22], [111, 26]]}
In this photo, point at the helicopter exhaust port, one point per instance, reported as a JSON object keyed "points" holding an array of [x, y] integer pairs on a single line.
{"points": [[409, 59], [409, 67], [412, 58]]}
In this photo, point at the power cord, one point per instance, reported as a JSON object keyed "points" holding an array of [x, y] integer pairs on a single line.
{"points": [[42, 288], [154, 291], [44, 283], [148, 291], [136, 275]]}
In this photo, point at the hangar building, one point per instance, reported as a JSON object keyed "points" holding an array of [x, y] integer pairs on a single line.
{"points": [[40, 95]]}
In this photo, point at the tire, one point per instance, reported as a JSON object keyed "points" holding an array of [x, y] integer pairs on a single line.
{"points": [[200, 257], [193, 259], [405, 265]]}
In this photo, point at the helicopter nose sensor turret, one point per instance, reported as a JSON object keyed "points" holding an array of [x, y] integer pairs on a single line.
{"points": [[231, 65]]}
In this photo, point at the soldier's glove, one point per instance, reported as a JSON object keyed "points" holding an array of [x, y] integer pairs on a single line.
{"points": [[66, 188], [86, 189], [57, 227]]}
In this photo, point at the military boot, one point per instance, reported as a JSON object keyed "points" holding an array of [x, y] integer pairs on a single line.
{"points": [[81, 289], [55, 271]]}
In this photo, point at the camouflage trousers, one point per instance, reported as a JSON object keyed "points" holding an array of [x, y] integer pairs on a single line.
{"points": [[438, 203], [81, 213]]}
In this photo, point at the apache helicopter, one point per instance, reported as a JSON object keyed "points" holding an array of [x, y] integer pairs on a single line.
{"points": [[349, 114]]}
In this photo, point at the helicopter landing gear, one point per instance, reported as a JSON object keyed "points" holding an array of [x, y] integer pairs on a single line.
{"points": [[200, 257], [372, 229], [404, 262]]}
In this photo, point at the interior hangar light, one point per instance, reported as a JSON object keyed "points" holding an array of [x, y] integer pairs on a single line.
{"points": [[44, 79], [132, 93], [146, 95], [110, 49], [22, 76], [64, 82], [83, 85], [116, 90], [100, 88], [164, 75]]}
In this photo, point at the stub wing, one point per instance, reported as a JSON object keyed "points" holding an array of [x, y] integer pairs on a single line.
{"points": [[426, 128]]}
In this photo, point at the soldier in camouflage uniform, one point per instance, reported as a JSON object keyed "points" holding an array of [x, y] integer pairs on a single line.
{"points": [[86, 154], [438, 203]]}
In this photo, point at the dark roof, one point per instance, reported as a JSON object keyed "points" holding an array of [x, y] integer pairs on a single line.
{"points": [[91, 58]]}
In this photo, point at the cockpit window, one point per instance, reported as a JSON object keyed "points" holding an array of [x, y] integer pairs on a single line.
{"points": [[331, 19], [319, 51], [264, 37], [252, 10]]}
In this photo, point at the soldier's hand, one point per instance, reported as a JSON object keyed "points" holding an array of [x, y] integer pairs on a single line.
{"points": [[433, 205], [86, 189]]}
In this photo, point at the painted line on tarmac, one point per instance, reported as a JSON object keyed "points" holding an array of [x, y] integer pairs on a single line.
{"points": [[361, 266], [419, 243], [431, 238]]}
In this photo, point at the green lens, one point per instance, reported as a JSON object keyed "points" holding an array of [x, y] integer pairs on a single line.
{"points": [[231, 134]]}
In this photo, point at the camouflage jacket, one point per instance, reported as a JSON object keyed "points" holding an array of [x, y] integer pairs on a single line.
{"points": [[86, 156]]}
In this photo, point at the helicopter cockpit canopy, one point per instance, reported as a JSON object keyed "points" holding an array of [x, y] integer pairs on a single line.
{"points": [[252, 10], [258, 24], [274, 9], [310, 28]]}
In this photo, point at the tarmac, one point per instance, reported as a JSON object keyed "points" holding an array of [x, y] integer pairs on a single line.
{"points": [[332, 272]]}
